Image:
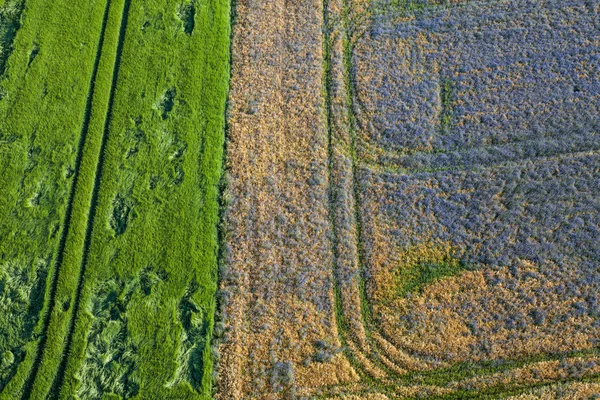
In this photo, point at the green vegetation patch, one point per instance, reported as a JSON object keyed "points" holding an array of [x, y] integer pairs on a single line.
{"points": [[423, 265], [415, 277], [447, 97], [10, 22], [122, 205]]}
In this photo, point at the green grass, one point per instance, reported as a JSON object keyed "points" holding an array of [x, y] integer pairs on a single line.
{"points": [[136, 265], [64, 300], [414, 278], [163, 151], [41, 115]]}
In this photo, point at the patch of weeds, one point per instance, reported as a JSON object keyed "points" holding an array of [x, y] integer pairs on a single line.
{"points": [[424, 265], [195, 324], [187, 13], [21, 300], [110, 358], [120, 215], [447, 100], [166, 103], [416, 277]]}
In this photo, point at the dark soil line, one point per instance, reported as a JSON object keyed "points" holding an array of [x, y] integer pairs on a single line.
{"points": [[59, 379], [28, 386]]}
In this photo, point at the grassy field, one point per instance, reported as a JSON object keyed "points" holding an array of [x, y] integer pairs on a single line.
{"points": [[41, 121], [132, 278]]}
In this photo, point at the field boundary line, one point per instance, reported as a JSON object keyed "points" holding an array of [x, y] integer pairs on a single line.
{"points": [[216, 340], [339, 313]]}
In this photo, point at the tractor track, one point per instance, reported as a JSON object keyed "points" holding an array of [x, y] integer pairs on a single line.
{"points": [[28, 386]]}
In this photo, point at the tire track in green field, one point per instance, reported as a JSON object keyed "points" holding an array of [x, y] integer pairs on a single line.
{"points": [[56, 385], [28, 386], [32, 386]]}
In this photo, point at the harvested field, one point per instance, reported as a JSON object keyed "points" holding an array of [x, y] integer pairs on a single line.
{"points": [[280, 309]]}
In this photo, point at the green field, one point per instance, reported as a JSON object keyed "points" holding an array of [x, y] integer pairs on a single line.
{"points": [[111, 138]]}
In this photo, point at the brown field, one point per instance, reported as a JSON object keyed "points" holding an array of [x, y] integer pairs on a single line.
{"points": [[396, 229], [281, 313]]}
